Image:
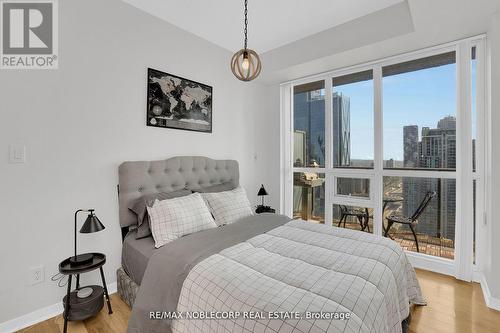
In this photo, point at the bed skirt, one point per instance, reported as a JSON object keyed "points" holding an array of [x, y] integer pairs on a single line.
{"points": [[127, 288]]}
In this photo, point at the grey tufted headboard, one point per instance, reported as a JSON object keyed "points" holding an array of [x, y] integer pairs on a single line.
{"points": [[139, 178]]}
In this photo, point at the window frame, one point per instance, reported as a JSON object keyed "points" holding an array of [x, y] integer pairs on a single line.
{"points": [[341, 197], [461, 266]]}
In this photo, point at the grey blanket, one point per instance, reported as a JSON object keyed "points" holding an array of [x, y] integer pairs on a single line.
{"points": [[169, 266]]}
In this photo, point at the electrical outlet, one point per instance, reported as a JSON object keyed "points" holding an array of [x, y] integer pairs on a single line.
{"points": [[37, 275]]}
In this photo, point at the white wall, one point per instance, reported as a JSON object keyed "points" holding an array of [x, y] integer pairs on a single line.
{"points": [[267, 142], [81, 121]]}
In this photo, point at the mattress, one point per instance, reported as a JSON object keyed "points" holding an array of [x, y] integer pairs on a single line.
{"points": [[136, 254]]}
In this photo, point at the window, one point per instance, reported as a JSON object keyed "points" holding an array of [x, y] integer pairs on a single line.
{"points": [[353, 187], [420, 113], [353, 217], [352, 120], [309, 125], [476, 133], [383, 146], [419, 129], [433, 221], [474, 219], [309, 196]]}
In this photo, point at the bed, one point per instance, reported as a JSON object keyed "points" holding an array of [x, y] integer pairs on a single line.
{"points": [[265, 273]]}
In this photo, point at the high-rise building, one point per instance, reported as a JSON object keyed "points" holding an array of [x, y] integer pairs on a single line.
{"points": [[341, 123], [309, 126], [341, 130], [447, 123], [341, 148], [439, 152], [309, 140], [411, 149], [436, 150], [410, 142]]}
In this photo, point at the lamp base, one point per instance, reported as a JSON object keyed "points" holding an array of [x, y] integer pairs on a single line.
{"points": [[264, 209], [81, 259]]}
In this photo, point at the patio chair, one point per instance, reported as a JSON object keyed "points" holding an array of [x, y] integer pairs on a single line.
{"points": [[359, 213], [410, 221]]}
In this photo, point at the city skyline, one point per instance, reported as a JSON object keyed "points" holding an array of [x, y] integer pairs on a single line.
{"points": [[423, 147], [415, 98], [419, 98]]}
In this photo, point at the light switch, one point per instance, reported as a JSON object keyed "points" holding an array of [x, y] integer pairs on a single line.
{"points": [[17, 154]]}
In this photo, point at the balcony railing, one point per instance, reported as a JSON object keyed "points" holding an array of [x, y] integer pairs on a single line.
{"points": [[434, 246]]}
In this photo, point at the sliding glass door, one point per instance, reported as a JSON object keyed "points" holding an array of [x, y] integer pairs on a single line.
{"points": [[393, 148]]}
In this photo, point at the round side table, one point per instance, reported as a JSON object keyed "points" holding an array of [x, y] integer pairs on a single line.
{"points": [[76, 308]]}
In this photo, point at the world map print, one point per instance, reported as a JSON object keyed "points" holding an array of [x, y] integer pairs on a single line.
{"points": [[176, 102]]}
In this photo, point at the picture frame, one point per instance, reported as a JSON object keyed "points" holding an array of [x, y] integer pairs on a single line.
{"points": [[178, 103]]}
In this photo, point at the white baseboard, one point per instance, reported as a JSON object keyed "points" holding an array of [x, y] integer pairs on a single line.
{"points": [[40, 315], [491, 302], [477, 276]]}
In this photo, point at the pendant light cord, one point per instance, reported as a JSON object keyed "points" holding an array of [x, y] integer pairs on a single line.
{"points": [[246, 22]]}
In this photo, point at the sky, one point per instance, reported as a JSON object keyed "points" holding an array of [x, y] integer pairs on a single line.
{"points": [[417, 98]]}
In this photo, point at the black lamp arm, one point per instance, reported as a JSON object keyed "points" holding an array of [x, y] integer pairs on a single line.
{"points": [[76, 214]]}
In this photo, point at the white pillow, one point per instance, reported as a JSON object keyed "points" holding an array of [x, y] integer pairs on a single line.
{"points": [[174, 218], [228, 206]]}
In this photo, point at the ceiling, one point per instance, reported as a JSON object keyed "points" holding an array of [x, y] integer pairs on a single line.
{"points": [[426, 23], [272, 23]]}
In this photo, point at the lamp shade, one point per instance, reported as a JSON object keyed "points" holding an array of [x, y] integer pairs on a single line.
{"points": [[92, 224], [262, 191]]}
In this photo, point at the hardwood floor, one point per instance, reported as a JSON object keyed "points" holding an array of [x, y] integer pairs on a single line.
{"points": [[453, 306], [114, 323]]}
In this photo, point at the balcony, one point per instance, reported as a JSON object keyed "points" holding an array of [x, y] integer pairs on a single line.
{"points": [[434, 246], [434, 228]]}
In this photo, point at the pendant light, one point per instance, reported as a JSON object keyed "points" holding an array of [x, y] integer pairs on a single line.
{"points": [[245, 64]]}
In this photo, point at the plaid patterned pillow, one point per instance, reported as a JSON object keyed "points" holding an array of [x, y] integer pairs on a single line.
{"points": [[174, 218], [228, 206]]}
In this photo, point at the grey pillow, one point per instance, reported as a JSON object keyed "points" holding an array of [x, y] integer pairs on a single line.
{"points": [[216, 188], [139, 208]]}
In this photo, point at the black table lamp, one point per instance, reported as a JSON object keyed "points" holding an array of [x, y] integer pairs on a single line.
{"points": [[262, 193], [91, 224]]}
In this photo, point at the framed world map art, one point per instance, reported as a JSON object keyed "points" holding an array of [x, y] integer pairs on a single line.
{"points": [[176, 102]]}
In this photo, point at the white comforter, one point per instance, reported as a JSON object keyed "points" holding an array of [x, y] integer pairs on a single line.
{"points": [[302, 268]]}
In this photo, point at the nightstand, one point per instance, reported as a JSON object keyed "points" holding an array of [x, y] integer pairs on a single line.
{"points": [[82, 308]]}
